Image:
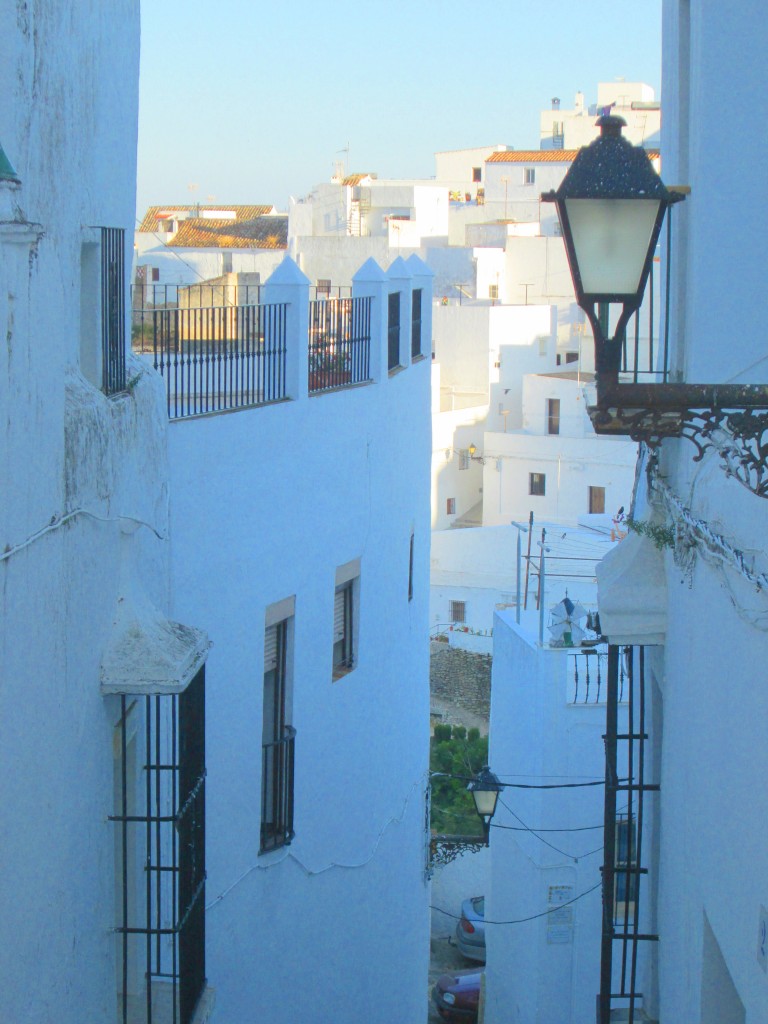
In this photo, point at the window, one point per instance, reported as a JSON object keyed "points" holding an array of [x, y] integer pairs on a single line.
{"points": [[450, 507], [103, 309], [553, 415], [463, 459], [625, 877], [537, 483], [113, 309], [155, 274], [457, 611], [597, 500], [226, 263], [345, 625], [393, 331], [159, 787], [416, 323], [323, 286], [277, 735], [571, 357], [410, 571], [342, 631], [477, 174], [529, 176], [493, 291]]}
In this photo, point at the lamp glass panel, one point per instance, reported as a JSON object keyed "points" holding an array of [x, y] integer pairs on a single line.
{"points": [[611, 239], [485, 801]]}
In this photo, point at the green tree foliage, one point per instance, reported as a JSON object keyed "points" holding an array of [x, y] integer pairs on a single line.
{"points": [[455, 750]]}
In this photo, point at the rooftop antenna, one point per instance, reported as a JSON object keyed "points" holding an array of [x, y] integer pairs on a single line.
{"points": [[345, 161], [193, 186]]}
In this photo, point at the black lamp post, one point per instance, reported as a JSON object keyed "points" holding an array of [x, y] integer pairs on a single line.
{"points": [[485, 789], [611, 205]]}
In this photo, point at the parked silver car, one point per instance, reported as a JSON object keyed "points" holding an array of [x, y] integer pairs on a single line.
{"points": [[470, 931]]}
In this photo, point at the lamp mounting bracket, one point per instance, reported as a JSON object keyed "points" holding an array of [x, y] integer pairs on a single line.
{"points": [[731, 419], [445, 848]]}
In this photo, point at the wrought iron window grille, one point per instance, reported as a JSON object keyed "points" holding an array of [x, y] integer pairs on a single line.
{"points": [[623, 871], [160, 855], [113, 310]]}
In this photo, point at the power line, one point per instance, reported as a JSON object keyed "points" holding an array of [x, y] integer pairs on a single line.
{"points": [[532, 917], [541, 839]]}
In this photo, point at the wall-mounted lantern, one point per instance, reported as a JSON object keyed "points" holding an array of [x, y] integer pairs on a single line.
{"points": [[611, 206]]}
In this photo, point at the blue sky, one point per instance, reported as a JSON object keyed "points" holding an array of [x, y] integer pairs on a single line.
{"points": [[252, 101]]}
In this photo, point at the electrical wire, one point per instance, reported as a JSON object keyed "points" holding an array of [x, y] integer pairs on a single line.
{"points": [[531, 917], [546, 842], [529, 785], [57, 521]]}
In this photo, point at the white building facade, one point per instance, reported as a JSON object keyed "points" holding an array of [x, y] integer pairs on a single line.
{"points": [[179, 845], [704, 603], [306, 523]]}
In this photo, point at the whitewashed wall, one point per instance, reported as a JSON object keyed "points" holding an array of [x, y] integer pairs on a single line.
{"points": [[571, 466], [542, 971], [267, 504], [463, 878], [714, 858], [69, 76]]}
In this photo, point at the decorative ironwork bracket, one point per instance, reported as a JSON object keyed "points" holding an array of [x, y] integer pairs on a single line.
{"points": [[731, 419], [444, 848]]}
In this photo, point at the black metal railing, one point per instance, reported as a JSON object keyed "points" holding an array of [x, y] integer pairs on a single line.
{"points": [[277, 763], [113, 310], [587, 670], [628, 774], [219, 357], [339, 343], [645, 349], [318, 292], [146, 297]]}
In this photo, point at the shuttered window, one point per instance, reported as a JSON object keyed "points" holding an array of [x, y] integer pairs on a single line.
{"points": [[343, 655], [277, 740]]}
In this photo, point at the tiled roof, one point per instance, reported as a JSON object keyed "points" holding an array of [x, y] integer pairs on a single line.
{"points": [[355, 179], [259, 233], [153, 221], [543, 156]]}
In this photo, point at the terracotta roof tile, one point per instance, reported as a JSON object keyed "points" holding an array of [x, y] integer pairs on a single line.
{"points": [[543, 156], [220, 233], [153, 222], [355, 179]]}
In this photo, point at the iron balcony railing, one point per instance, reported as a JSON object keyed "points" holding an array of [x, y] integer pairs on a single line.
{"points": [[587, 673], [319, 292], [217, 357], [339, 343], [277, 762]]}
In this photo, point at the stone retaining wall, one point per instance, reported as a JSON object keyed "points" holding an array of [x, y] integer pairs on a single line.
{"points": [[460, 686]]}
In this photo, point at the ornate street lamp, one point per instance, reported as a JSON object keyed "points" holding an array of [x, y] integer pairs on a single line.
{"points": [[443, 848], [485, 790], [611, 206]]}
